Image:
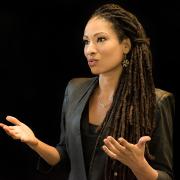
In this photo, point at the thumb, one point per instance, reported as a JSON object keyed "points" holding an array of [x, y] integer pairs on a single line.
{"points": [[13, 120], [142, 141]]}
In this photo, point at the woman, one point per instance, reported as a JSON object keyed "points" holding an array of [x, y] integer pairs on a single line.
{"points": [[115, 125]]}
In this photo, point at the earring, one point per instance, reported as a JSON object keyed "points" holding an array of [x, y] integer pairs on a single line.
{"points": [[125, 62]]}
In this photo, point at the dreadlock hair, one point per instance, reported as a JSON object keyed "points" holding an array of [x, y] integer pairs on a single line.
{"points": [[131, 115]]}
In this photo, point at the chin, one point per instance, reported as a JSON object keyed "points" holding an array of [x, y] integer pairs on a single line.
{"points": [[95, 72]]}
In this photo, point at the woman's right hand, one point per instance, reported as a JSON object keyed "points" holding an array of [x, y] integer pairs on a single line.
{"points": [[20, 131]]}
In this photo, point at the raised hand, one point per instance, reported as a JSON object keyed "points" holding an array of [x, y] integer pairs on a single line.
{"points": [[129, 154], [19, 131], [132, 155]]}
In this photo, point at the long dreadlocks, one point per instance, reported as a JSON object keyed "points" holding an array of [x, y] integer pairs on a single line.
{"points": [[132, 112]]}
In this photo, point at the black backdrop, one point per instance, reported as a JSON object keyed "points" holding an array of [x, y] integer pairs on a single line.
{"points": [[41, 50]]}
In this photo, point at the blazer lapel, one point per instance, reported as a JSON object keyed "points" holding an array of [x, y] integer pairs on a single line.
{"points": [[75, 125]]}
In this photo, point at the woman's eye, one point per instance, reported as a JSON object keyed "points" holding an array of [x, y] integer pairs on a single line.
{"points": [[101, 39], [85, 42]]}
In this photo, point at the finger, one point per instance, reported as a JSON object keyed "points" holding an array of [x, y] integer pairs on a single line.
{"points": [[5, 127], [113, 145], [13, 120], [125, 143], [109, 152], [2, 125], [142, 141], [11, 127], [7, 130], [110, 146]]}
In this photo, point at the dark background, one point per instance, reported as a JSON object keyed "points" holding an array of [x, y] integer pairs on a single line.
{"points": [[41, 49]]}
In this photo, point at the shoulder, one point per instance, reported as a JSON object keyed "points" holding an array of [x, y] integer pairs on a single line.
{"points": [[163, 96], [80, 84], [165, 102]]}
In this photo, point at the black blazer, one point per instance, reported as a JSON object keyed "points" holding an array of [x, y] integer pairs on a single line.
{"points": [[70, 146]]}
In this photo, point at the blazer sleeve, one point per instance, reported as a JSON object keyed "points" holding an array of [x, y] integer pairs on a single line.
{"points": [[161, 144], [61, 146], [42, 165]]}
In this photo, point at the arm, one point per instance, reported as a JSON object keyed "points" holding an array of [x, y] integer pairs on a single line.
{"points": [[132, 155], [162, 137], [52, 155], [22, 132]]}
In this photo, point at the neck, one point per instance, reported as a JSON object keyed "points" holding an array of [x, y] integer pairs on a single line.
{"points": [[108, 83]]}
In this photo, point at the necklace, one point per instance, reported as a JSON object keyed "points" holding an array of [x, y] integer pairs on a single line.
{"points": [[105, 105]]}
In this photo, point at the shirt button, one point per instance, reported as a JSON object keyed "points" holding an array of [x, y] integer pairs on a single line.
{"points": [[115, 173]]}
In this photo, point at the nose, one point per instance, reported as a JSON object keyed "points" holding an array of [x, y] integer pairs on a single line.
{"points": [[90, 49]]}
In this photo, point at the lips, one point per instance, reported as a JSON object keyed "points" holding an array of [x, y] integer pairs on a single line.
{"points": [[92, 62]]}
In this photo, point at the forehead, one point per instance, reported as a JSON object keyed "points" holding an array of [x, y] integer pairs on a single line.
{"points": [[98, 25]]}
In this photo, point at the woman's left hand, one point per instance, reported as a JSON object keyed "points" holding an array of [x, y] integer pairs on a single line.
{"points": [[132, 155]]}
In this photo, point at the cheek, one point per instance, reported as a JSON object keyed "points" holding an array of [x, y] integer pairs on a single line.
{"points": [[114, 53]]}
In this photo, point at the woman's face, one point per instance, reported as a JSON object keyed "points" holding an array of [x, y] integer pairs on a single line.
{"points": [[103, 50]]}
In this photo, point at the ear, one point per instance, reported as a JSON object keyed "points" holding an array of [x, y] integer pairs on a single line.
{"points": [[126, 45]]}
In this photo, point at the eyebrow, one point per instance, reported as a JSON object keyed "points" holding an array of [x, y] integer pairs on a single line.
{"points": [[96, 34]]}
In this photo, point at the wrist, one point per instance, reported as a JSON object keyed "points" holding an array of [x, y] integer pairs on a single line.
{"points": [[33, 144], [143, 171]]}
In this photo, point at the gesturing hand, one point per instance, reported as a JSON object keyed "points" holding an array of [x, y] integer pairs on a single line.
{"points": [[129, 154], [19, 131]]}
